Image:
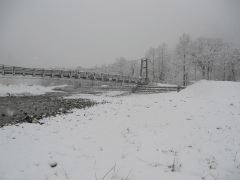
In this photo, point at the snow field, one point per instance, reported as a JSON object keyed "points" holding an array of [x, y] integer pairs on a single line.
{"points": [[194, 134]]}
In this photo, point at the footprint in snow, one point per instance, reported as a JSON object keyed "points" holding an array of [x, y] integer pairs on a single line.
{"points": [[52, 164]]}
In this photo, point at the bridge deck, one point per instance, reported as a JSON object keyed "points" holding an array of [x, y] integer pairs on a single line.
{"points": [[37, 72]]}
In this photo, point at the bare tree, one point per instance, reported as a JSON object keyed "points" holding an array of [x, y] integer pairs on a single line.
{"points": [[120, 63], [162, 51], [233, 62], [183, 50], [151, 55], [207, 51], [207, 58]]}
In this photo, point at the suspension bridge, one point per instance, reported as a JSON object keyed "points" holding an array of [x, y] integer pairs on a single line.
{"points": [[138, 85]]}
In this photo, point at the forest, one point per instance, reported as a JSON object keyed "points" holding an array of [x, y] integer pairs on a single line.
{"points": [[190, 60]]}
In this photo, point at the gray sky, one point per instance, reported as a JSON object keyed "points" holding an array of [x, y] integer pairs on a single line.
{"points": [[69, 33]]}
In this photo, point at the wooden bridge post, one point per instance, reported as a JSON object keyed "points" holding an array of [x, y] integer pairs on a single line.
{"points": [[123, 81], [3, 71], [34, 73], [13, 70], [144, 66], [78, 75], [23, 71], [146, 70], [51, 73]]}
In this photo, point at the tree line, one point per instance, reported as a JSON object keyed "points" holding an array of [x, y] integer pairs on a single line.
{"points": [[190, 60]]}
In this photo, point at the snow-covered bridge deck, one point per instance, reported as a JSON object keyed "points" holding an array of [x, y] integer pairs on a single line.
{"points": [[37, 72]]}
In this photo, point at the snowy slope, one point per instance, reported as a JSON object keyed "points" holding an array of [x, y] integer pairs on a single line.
{"points": [[194, 134]]}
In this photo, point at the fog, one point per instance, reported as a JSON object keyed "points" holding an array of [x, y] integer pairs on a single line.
{"points": [[70, 33]]}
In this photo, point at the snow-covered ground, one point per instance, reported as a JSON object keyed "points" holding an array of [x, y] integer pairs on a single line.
{"points": [[191, 135], [25, 89], [164, 85]]}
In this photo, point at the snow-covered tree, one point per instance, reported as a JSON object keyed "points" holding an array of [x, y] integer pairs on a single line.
{"points": [[233, 64], [162, 55], [151, 55], [206, 52], [183, 53]]}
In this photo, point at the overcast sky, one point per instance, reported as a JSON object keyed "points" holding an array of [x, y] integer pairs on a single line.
{"points": [[70, 33]]}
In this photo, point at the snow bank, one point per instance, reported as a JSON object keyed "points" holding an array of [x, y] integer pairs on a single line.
{"points": [[212, 89], [6, 90]]}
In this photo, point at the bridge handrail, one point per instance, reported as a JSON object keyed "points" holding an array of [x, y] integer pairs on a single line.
{"points": [[6, 69]]}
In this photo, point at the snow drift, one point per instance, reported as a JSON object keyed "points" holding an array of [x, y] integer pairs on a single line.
{"points": [[212, 89]]}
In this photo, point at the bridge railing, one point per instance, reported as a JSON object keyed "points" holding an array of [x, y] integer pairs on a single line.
{"points": [[15, 70]]}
